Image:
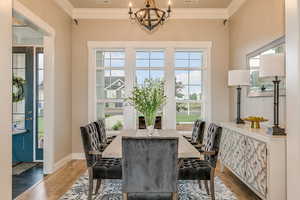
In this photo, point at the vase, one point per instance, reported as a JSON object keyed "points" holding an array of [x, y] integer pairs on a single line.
{"points": [[150, 122]]}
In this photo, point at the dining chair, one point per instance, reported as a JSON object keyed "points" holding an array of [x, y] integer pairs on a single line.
{"points": [[150, 168], [197, 133], [105, 140], [204, 169], [157, 124], [98, 168]]}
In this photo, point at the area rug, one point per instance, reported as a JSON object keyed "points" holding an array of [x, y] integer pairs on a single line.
{"points": [[22, 167], [111, 190]]}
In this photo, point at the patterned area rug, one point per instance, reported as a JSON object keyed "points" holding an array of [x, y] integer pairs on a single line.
{"points": [[22, 167], [111, 190]]}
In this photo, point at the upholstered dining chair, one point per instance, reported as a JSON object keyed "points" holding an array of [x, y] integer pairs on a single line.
{"points": [[197, 133], [150, 168], [157, 124], [105, 140], [98, 168], [204, 169]]}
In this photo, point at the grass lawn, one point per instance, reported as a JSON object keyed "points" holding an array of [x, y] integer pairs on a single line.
{"points": [[184, 117]]}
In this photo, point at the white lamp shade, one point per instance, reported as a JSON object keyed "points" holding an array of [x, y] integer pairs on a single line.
{"points": [[272, 65], [238, 77]]}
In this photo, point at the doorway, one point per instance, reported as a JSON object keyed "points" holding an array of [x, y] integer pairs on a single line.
{"points": [[28, 106]]}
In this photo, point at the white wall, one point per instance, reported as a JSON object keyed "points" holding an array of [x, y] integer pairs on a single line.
{"points": [[5, 98], [293, 98]]}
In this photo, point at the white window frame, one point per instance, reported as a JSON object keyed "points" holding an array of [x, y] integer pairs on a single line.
{"points": [[202, 69], [169, 47]]}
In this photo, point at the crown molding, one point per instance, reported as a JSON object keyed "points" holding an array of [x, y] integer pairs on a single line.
{"points": [[234, 6], [122, 13], [66, 6]]}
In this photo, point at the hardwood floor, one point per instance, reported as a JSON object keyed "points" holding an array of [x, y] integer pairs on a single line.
{"points": [[55, 185]]}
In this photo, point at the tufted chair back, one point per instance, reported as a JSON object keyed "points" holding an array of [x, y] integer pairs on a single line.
{"points": [[100, 124], [149, 167], [91, 142], [198, 131], [212, 143]]}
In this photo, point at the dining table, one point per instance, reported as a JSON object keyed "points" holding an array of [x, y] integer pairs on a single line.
{"points": [[185, 149]]}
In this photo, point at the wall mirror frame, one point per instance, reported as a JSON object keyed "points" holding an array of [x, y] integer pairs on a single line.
{"points": [[263, 87]]}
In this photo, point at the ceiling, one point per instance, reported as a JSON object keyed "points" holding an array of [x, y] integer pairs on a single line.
{"points": [[160, 3]]}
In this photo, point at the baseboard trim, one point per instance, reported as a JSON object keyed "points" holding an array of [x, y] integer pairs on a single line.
{"points": [[62, 162], [78, 156]]}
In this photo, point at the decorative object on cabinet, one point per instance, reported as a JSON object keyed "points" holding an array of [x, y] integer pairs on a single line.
{"points": [[263, 87], [273, 65], [255, 121], [238, 78], [256, 158]]}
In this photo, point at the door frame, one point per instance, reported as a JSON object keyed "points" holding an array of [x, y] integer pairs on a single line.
{"points": [[49, 79]]}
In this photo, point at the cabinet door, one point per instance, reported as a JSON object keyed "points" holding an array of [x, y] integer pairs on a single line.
{"points": [[237, 161], [256, 165], [232, 151], [225, 147]]}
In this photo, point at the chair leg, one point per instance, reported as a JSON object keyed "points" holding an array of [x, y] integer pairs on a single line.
{"points": [[98, 186], [200, 184], [91, 183], [206, 187], [212, 184]]}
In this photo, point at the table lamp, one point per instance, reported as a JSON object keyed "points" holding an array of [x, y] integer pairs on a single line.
{"points": [[273, 65], [239, 78]]}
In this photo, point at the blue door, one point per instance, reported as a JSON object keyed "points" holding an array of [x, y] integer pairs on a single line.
{"points": [[23, 112]]}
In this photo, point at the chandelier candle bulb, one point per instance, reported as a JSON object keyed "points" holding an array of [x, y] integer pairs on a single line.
{"points": [[169, 7], [130, 9]]}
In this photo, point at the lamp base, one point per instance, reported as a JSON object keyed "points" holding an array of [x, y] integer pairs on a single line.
{"points": [[239, 121], [276, 130]]}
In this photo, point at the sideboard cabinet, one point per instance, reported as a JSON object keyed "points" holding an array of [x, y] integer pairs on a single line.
{"points": [[256, 158]]}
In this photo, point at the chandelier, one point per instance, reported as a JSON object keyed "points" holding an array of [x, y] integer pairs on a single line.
{"points": [[150, 16]]}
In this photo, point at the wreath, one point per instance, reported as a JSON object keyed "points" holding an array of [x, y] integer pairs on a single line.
{"points": [[18, 93]]}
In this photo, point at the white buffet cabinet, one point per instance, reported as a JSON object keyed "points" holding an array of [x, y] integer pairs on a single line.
{"points": [[256, 158]]}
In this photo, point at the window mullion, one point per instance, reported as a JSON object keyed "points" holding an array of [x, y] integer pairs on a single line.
{"points": [[170, 108], [129, 111]]}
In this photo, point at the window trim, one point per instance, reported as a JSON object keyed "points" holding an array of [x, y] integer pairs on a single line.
{"points": [[130, 48]]}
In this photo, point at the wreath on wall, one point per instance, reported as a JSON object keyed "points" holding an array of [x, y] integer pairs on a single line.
{"points": [[18, 93]]}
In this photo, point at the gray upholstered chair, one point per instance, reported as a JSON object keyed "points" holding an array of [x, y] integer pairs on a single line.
{"points": [[204, 170], [99, 168], [150, 168]]}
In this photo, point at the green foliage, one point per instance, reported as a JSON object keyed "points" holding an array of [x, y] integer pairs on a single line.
{"points": [[117, 126], [18, 93], [147, 99]]}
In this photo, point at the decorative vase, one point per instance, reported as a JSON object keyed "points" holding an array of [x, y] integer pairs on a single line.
{"points": [[150, 122]]}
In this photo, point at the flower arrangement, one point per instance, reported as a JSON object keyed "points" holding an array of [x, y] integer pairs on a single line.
{"points": [[148, 99]]}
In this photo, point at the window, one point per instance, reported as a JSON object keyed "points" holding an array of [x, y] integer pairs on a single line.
{"points": [[188, 87], [113, 72], [40, 97], [149, 65], [110, 84], [19, 67]]}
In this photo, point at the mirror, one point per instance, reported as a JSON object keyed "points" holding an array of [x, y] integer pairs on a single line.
{"points": [[263, 87]]}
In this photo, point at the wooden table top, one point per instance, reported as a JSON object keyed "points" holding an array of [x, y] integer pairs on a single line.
{"points": [[185, 149]]}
